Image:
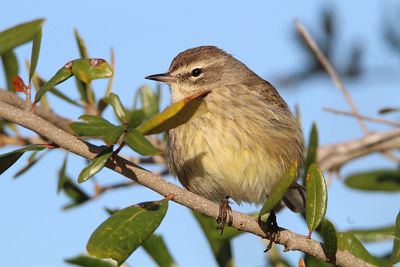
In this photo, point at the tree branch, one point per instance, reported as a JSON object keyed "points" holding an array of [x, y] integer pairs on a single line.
{"points": [[69, 142]]}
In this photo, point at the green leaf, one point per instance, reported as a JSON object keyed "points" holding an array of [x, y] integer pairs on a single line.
{"points": [[135, 119], [149, 100], [62, 96], [96, 165], [374, 234], [93, 126], [316, 197], [37, 39], [62, 74], [395, 258], [33, 159], [311, 150], [89, 261], [10, 65], [88, 69], [314, 262], [81, 45], [62, 175], [158, 251], [112, 136], [119, 109], [220, 246], [19, 34], [275, 258], [8, 159], [72, 190], [279, 189], [347, 241], [386, 180], [136, 141], [328, 234], [122, 233], [175, 115]]}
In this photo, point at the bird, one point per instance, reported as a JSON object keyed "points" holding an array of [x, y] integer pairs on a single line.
{"points": [[242, 140]]}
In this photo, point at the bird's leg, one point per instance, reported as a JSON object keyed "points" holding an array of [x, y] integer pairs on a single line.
{"points": [[272, 230], [225, 214]]}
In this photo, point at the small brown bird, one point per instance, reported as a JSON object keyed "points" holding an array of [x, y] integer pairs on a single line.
{"points": [[244, 138]]}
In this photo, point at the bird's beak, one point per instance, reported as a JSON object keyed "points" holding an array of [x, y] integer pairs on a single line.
{"points": [[162, 77]]}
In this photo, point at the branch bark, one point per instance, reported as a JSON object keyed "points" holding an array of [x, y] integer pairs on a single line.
{"points": [[69, 142]]}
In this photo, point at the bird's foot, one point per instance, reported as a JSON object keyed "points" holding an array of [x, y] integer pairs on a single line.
{"points": [[225, 214], [272, 230]]}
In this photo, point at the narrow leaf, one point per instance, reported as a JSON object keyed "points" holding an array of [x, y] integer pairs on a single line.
{"points": [[8, 159], [220, 245], [136, 141], [174, 115], [33, 159], [311, 150], [88, 69], [347, 241], [122, 233], [135, 119], [279, 189], [387, 180], [112, 136], [158, 251], [93, 126], [37, 39], [149, 100], [10, 66], [81, 45], [19, 34], [62, 74], [374, 234], [62, 175], [328, 234], [96, 165], [395, 258], [119, 109], [73, 191], [316, 197], [89, 261]]}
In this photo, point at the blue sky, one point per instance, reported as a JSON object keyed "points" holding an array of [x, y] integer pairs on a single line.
{"points": [[146, 35]]}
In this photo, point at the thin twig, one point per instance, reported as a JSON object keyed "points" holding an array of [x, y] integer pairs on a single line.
{"points": [[330, 70], [362, 117]]}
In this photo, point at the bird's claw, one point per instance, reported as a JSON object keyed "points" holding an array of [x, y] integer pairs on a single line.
{"points": [[225, 214]]}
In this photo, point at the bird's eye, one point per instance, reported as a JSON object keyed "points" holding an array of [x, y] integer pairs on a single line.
{"points": [[196, 72]]}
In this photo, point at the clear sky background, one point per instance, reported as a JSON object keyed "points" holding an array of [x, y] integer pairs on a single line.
{"points": [[146, 35]]}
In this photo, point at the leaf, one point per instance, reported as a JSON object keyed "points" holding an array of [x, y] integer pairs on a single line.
{"points": [[311, 150], [93, 126], [347, 241], [33, 159], [8, 159], [135, 119], [89, 261], [119, 109], [374, 234], [62, 74], [37, 39], [388, 110], [136, 141], [88, 69], [314, 262], [220, 245], [18, 84], [174, 115], [279, 189], [275, 258], [10, 65], [62, 96], [149, 100], [395, 258], [386, 180], [72, 190], [112, 136], [316, 197], [328, 234], [19, 34], [158, 251], [81, 45], [62, 176], [122, 233], [96, 165]]}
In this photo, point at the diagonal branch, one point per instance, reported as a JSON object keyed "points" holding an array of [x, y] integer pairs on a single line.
{"points": [[69, 142]]}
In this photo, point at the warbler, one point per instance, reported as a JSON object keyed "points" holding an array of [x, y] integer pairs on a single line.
{"points": [[244, 139]]}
